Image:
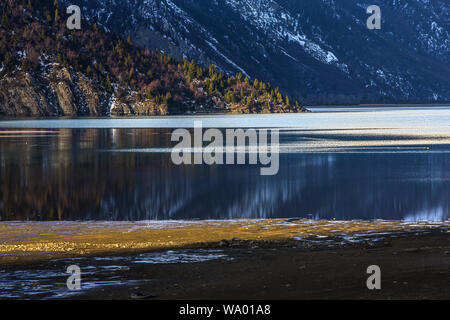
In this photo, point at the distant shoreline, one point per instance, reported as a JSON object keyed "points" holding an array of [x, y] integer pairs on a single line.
{"points": [[212, 114], [388, 105]]}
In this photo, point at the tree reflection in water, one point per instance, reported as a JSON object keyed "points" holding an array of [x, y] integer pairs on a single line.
{"points": [[76, 174]]}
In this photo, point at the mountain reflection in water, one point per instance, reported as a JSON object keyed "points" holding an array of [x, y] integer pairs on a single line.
{"points": [[78, 174]]}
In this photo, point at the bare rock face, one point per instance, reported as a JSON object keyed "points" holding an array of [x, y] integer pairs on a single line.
{"points": [[63, 91], [96, 101], [20, 97], [58, 93]]}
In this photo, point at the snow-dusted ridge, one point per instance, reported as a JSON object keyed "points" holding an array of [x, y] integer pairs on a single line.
{"points": [[318, 50]]}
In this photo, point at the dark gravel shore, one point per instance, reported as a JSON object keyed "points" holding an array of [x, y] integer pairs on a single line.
{"points": [[412, 267]]}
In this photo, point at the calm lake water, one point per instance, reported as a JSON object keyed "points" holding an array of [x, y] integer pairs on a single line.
{"points": [[391, 163]]}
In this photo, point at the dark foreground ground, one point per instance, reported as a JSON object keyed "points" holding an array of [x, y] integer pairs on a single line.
{"points": [[412, 267]]}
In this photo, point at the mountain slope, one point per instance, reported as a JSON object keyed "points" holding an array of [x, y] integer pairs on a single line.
{"points": [[48, 70], [319, 51]]}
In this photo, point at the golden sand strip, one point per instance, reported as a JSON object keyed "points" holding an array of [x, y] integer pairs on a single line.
{"points": [[24, 241]]}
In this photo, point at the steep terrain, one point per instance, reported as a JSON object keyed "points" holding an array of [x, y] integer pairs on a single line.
{"points": [[48, 70], [318, 51]]}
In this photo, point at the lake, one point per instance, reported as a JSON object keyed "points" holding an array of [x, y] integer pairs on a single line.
{"points": [[335, 163]]}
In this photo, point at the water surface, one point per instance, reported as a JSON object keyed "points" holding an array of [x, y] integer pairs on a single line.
{"points": [[389, 163]]}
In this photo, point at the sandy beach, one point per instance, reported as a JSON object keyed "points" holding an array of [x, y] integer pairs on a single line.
{"points": [[34, 241]]}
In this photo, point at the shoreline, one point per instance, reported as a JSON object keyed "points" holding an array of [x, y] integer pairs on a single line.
{"points": [[381, 105], [413, 265], [207, 114], [23, 242]]}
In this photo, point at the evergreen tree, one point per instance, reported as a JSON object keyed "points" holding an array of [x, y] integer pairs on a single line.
{"points": [[8, 62], [279, 97], [212, 70], [24, 65], [191, 70], [149, 74], [199, 72], [211, 87], [262, 86], [129, 41], [5, 21], [56, 15], [185, 65], [248, 102], [48, 18], [239, 77], [108, 84]]}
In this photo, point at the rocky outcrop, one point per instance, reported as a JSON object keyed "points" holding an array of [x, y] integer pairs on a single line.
{"points": [[130, 106], [97, 102], [65, 93], [58, 94], [62, 89], [19, 96]]}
